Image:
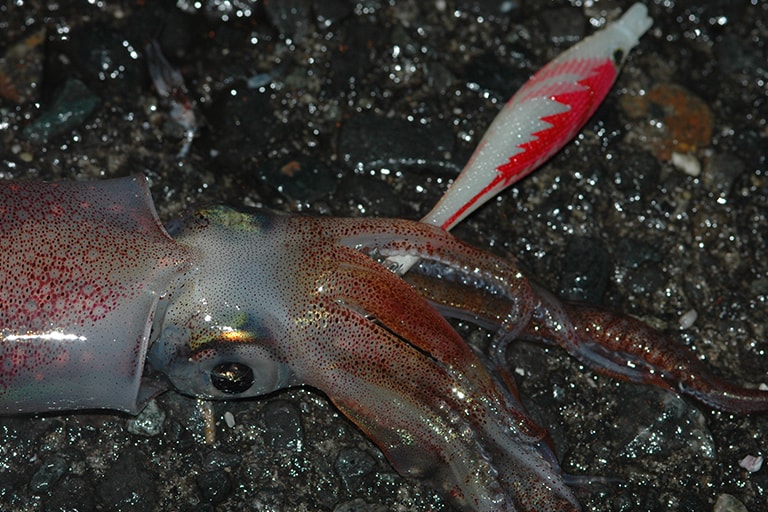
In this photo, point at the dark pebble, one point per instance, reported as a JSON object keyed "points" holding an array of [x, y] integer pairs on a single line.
{"points": [[369, 196], [360, 505], [100, 53], [128, 486], [371, 141], [653, 421], [489, 72], [738, 55], [214, 485], [565, 25], [646, 279], [292, 18], [638, 174], [352, 465], [241, 121], [329, 12], [722, 172], [351, 58], [50, 471], [71, 494], [632, 252], [283, 426], [216, 460], [491, 8], [586, 270], [72, 104], [301, 178]]}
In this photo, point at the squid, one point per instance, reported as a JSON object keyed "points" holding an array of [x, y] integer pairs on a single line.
{"points": [[102, 307]]}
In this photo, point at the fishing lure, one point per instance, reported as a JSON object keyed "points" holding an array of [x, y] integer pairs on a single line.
{"points": [[101, 307], [545, 114]]}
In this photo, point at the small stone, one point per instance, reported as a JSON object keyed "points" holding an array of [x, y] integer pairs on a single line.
{"points": [[360, 505], [214, 485], [290, 17], [676, 120], [73, 103], [352, 465], [149, 421], [48, 474], [586, 270], [687, 163], [283, 426], [752, 463], [728, 503]]}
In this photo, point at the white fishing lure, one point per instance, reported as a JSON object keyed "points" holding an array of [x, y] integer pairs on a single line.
{"points": [[544, 115]]}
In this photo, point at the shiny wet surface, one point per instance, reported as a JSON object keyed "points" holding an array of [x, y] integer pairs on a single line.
{"points": [[368, 109]]}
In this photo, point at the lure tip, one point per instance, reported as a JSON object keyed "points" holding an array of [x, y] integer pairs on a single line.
{"points": [[635, 21]]}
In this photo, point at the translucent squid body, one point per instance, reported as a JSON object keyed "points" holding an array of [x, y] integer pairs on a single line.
{"points": [[101, 307]]}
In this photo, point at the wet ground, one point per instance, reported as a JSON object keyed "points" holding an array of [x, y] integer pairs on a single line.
{"points": [[659, 209]]}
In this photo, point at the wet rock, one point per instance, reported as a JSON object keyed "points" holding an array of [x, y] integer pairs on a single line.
{"points": [[368, 196], [722, 172], [106, 56], [659, 423], [301, 178], [728, 503], [675, 120], [241, 121], [149, 422], [637, 174], [371, 141], [214, 486], [291, 17], [565, 25], [737, 55], [21, 68], [490, 72], [71, 493], [632, 252], [360, 505], [127, 485], [72, 104], [491, 8], [330, 12], [352, 465], [352, 58], [586, 270], [283, 426], [217, 460], [49, 472], [645, 279]]}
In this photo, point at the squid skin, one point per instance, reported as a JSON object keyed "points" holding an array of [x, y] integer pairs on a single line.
{"points": [[83, 268]]}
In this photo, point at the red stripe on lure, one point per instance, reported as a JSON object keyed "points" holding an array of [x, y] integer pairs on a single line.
{"points": [[541, 117]]}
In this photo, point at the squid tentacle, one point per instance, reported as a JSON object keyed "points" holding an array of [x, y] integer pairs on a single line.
{"points": [[489, 462], [628, 349], [616, 345]]}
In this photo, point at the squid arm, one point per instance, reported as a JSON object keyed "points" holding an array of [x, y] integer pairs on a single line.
{"points": [[610, 343]]}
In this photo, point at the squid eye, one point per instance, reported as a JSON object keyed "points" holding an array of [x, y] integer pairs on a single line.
{"points": [[232, 378]]}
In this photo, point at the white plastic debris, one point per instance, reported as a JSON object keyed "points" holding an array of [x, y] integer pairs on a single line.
{"points": [[229, 419], [752, 463], [688, 319], [687, 163]]}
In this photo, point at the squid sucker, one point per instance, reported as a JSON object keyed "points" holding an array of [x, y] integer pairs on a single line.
{"points": [[102, 307]]}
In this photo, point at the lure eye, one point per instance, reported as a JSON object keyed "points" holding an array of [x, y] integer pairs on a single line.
{"points": [[618, 56], [232, 378]]}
